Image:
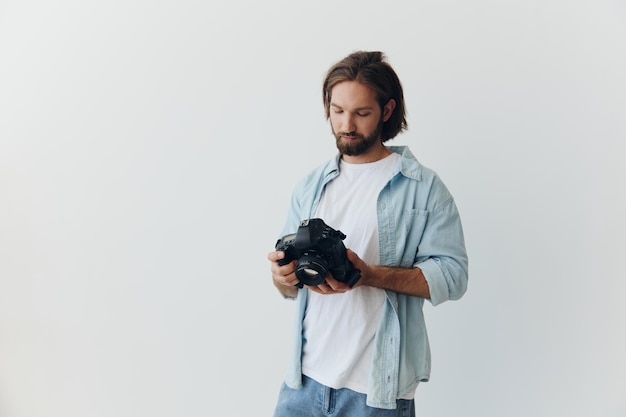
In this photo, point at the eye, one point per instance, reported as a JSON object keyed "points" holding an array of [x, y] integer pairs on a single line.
{"points": [[363, 114]]}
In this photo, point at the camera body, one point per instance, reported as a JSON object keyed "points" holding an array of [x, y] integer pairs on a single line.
{"points": [[318, 249]]}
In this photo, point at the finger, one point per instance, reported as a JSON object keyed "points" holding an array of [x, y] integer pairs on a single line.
{"points": [[288, 269], [330, 280], [289, 280], [322, 288], [335, 285], [275, 256], [352, 256], [314, 288]]}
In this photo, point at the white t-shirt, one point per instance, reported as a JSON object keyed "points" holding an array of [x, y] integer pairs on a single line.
{"points": [[339, 329]]}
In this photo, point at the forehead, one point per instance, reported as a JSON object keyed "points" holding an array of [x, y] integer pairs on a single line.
{"points": [[352, 94]]}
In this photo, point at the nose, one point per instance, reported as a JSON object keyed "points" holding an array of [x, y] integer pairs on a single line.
{"points": [[347, 123]]}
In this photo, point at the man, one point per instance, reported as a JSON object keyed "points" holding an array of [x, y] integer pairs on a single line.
{"points": [[362, 350]]}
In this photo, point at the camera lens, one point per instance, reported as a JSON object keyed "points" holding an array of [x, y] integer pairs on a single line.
{"points": [[311, 268]]}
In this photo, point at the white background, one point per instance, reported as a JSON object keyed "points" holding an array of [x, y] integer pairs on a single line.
{"points": [[147, 154]]}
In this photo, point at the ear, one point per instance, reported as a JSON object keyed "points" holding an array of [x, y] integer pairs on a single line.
{"points": [[388, 109]]}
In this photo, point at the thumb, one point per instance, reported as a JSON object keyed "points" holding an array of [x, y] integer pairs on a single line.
{"points": [[352, 256]]}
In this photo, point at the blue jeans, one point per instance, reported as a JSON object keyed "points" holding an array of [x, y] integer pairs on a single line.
{"points": [[315, 399]]}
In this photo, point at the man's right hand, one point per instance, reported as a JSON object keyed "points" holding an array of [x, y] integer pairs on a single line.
{"points": [[284, 276]]}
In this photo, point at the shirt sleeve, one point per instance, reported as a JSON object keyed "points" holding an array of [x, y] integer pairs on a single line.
{"points": [[442, 256]]}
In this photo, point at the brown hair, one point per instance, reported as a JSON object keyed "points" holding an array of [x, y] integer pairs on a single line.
{"points": [[371, 69]]}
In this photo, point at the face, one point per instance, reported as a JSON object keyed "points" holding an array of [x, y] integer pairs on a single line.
{"points": [[357, 120]]}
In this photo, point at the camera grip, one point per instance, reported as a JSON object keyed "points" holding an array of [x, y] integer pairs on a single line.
{"points": [[284, 261]]}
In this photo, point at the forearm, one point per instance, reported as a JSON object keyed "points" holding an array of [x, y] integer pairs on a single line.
{"points": [[410, 281], [287, 291]]}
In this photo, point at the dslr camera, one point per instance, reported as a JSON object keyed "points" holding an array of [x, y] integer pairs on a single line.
{"points": [[319, 249]]}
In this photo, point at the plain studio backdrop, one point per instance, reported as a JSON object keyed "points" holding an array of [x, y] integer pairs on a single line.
{"points": [[147, 154]]}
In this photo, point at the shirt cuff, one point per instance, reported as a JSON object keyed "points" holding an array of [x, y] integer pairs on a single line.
{"points": [[436, 281]]}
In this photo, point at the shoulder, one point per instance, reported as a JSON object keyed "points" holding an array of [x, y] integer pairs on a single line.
{"points": [[425, 180], [410, 167], [318, 175]]}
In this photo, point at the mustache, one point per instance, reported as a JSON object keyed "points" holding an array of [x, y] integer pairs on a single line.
{"points": [[352, 133]]}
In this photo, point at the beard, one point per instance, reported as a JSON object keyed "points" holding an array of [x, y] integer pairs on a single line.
{"points": [[361, 145]]}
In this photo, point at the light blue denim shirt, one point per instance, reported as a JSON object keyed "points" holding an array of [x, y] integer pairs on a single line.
{"points": [[419, 226]]}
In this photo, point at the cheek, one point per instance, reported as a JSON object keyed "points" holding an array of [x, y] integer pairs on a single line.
{"points": [[367, 127], [334, 123]]}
